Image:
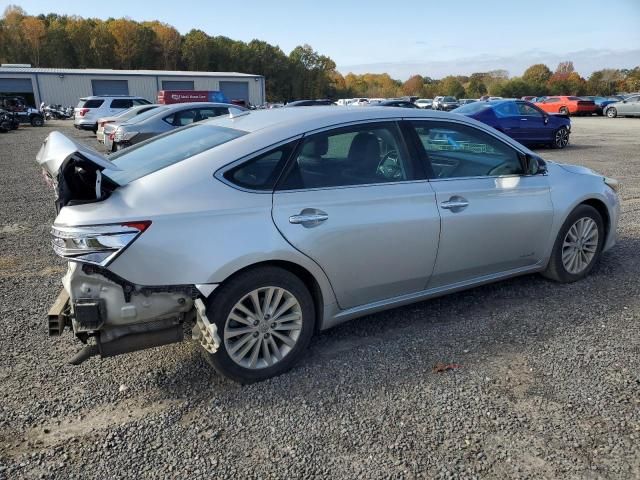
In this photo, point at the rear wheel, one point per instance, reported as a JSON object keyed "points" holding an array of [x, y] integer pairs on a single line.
{"points": [[265, 318], [37, 121], [561, 137], [612, 112], [564, 111], [577, 247]]}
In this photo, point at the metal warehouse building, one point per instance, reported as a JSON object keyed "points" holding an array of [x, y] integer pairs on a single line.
{"points": [[65, 86]]}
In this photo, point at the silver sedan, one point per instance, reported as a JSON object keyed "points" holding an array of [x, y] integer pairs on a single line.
{"points": [[260, 229]]}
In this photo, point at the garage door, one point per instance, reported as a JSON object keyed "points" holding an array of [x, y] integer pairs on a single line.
{"points": [[235, 90], [16, 85], [177, 85], [110, 87]]}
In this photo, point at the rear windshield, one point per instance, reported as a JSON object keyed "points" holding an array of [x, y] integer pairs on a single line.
{"points": [[167, 149], [90, 103], [471, 108]]}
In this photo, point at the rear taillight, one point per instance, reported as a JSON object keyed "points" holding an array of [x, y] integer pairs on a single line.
{"points": [[96, 244], [112, 135], [82, 111]]}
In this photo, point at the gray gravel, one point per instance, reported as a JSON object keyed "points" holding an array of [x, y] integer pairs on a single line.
{"points": [[549, 385]]}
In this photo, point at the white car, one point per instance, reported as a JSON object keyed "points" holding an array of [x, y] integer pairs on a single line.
{"points": [[424, 102], [359, 102], [90, 109], [435, 105], [121, 117]]}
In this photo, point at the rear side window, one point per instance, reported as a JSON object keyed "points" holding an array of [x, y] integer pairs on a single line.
{"points": [[93, 103], [141, 101], [121, 103], [167, 149], [261, 172], [506, 109]]}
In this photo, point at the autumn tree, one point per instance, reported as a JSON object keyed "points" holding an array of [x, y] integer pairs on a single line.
{"points": [[565, 67], [33, 32], [12, 45], [475, 88], [538, 74], [413, 86], [169, 41], [195, 51], [451, 86]]}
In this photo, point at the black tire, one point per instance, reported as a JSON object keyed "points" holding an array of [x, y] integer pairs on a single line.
{"points": [[555, 269], [564, 111], [37, 121], [612, 112], [224, 299], [561, 138]]}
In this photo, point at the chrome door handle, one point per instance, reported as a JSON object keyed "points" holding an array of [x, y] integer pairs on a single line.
{"points": [[309, 217], [455, 204], [524, 119]]}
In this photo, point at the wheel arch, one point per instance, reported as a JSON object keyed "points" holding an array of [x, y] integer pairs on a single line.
{"points": [[299, 271], [602, 210]]}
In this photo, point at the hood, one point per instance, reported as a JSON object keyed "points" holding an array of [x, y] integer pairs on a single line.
{"points": [[577, 169]]}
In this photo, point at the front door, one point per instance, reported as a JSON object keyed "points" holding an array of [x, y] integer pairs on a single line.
{"points": [[355, 202], [533, 126], [493, 217]]}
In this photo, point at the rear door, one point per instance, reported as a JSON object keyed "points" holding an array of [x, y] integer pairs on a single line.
{"points": [[356, 201], [494, 218]]}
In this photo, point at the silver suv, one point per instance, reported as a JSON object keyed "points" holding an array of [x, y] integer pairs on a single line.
{"points": [[90, 109], [262, 228]]}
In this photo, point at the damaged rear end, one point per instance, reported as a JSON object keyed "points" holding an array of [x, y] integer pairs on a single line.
{"points": [[109, 314]]}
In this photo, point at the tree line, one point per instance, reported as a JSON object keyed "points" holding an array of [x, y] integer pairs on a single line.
{"points": [[64, 41]]}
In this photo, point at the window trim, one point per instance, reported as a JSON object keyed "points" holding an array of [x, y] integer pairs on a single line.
{"points": [[404, 145], [519, 152], [220, 173]]}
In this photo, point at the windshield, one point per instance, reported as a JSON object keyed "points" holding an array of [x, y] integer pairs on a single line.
{"points": [[471, 108], [167, 149]]}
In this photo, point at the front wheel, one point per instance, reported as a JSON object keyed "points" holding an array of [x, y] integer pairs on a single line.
{"points": [[561, 137], [37, 121], [612, 112], [577, 246], [265, 318]]}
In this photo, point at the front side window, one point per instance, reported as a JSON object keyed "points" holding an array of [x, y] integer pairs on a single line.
{"points": [[552, 100], [529, 110], [364, 154], [458, 151]]}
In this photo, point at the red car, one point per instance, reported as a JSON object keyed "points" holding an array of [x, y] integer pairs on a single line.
{"points": [[567, 105]]}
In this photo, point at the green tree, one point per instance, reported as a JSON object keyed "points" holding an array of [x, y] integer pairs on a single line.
{"points": [[538, 74], [475, 88], [195, 50], [451, 86]]}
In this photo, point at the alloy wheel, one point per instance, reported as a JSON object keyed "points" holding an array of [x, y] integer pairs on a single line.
{"points": [[580, 245], [562, 138], [612, 112], [263, 327]]}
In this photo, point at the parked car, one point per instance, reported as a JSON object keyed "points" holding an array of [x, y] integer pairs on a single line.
{"points": [[629, 107], [424, 102], [8, 121], [601, 102], [522, 121], [466, 101], [396, 103], [90, 109], [567, 105], [165, 118], [309, 103], [447, 104], [436, 102], [23, 113], [121, 117], [244, 227]]}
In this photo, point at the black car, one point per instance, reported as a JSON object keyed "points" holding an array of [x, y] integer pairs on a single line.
{"points": [[397, 103], [8, 121], [448, 103], [309, 103], [23, 112]]}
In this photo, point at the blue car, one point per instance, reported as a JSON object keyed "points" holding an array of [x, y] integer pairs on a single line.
{"points": [[522, 121], [602, 102]]}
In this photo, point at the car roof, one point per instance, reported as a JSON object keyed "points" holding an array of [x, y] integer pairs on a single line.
{"points": [[288, 122]]}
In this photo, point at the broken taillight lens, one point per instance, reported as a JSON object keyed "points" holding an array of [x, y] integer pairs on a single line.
{"points": [[96, 244], [82, 111]]}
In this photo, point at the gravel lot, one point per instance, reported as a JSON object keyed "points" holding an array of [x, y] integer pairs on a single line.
{"points": [[549, 384]]}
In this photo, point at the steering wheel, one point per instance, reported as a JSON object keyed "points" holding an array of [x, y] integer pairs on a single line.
{"points": [[389, 166]]}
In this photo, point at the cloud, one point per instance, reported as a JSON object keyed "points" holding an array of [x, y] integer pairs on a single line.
{"points": [[585, 61]]}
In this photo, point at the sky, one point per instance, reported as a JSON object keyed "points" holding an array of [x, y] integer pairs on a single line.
{"points": [[404, 37]]}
